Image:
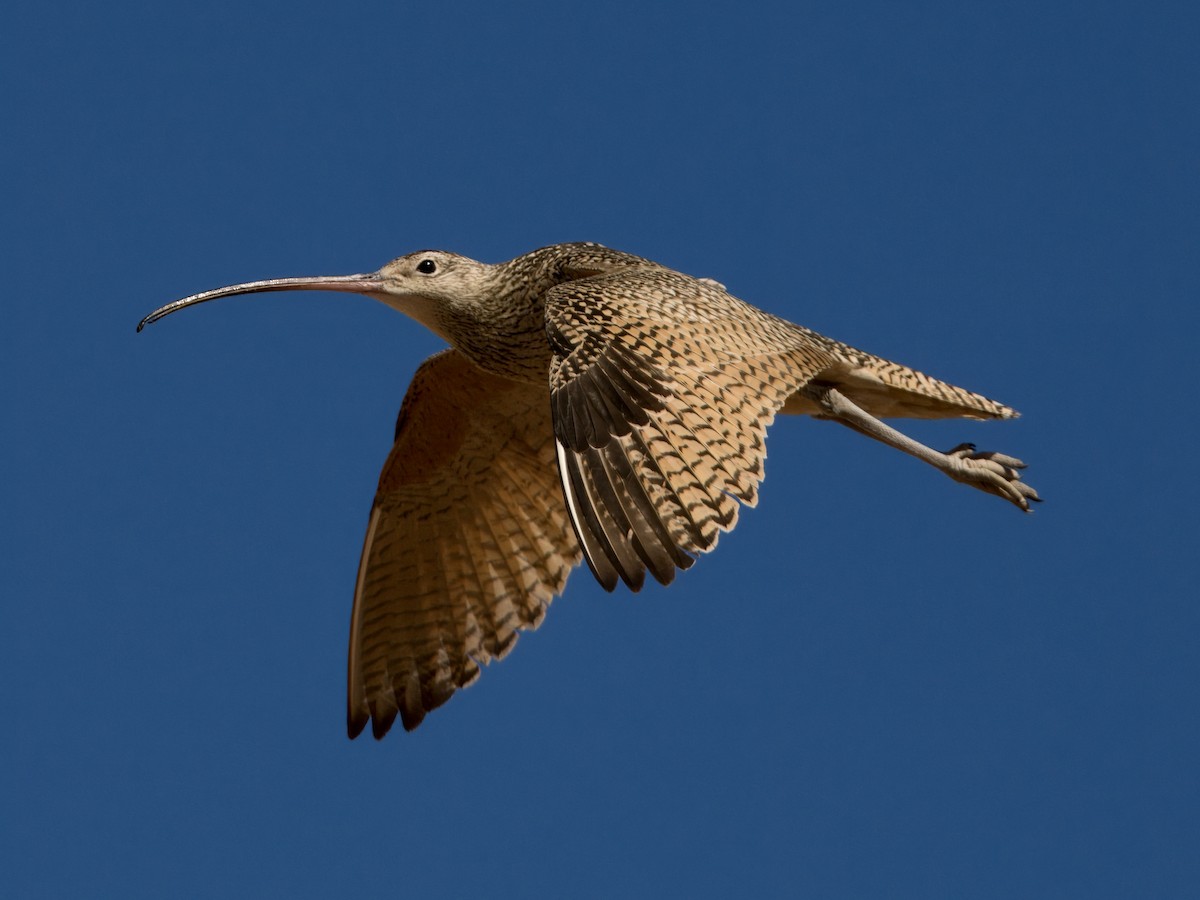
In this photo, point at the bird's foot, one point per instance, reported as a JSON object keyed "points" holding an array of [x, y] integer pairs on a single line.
{"points": [[995, 473]]}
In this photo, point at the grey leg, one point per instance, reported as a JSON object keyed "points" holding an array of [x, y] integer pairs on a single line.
{"points": [[994, 473]]}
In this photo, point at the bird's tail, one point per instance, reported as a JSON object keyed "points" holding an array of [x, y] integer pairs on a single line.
{"points": [[886, 389]]}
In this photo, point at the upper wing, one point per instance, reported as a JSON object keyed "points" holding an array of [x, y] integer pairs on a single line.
{"points": [[468, 542], [662, 387]]}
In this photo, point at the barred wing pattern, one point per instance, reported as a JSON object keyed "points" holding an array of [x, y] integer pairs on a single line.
{"points": [[468, 542], [662, 387]]}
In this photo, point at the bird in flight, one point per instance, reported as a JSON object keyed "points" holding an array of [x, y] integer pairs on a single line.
{"points": [[592, 405]]}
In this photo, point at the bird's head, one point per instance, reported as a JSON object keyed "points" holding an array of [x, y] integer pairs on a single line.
{"points": [[434, 287]]}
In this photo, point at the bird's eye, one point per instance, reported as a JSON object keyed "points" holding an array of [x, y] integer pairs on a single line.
{"points": [[427, 267]]}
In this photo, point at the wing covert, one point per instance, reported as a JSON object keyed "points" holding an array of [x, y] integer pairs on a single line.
{"points": [[662, 387]]}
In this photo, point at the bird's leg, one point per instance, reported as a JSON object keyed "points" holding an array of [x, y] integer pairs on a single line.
{"points": [[994, 473]]}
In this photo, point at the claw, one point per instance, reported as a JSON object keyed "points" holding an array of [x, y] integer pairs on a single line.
{"points": [[994, 473]]}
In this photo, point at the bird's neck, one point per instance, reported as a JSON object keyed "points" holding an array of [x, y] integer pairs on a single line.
{"points": [[504, 330]]}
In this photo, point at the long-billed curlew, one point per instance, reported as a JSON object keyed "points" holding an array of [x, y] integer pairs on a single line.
{"points": [[640, 395]]}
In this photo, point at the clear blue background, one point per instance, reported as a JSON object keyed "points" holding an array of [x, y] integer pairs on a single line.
{"points": [[882, 684]]}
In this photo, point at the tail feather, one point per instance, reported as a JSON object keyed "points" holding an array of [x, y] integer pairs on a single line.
{"points": [[889, 390], [886, 389]]}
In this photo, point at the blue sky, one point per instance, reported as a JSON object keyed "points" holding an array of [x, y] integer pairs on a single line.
{"points": [[881, 684]]}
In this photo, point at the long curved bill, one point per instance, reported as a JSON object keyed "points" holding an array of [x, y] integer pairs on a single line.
{"points": [[353, 284]]}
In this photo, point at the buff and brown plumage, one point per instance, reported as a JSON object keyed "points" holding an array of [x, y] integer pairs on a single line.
{"points": [[593, 405]]}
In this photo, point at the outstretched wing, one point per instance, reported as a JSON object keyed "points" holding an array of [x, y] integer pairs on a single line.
{"points": [[467, 543], [662, 387]]}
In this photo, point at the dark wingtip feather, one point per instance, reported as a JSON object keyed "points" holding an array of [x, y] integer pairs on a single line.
{"points": [[382, 723], [356, 721], [409, 718]]}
